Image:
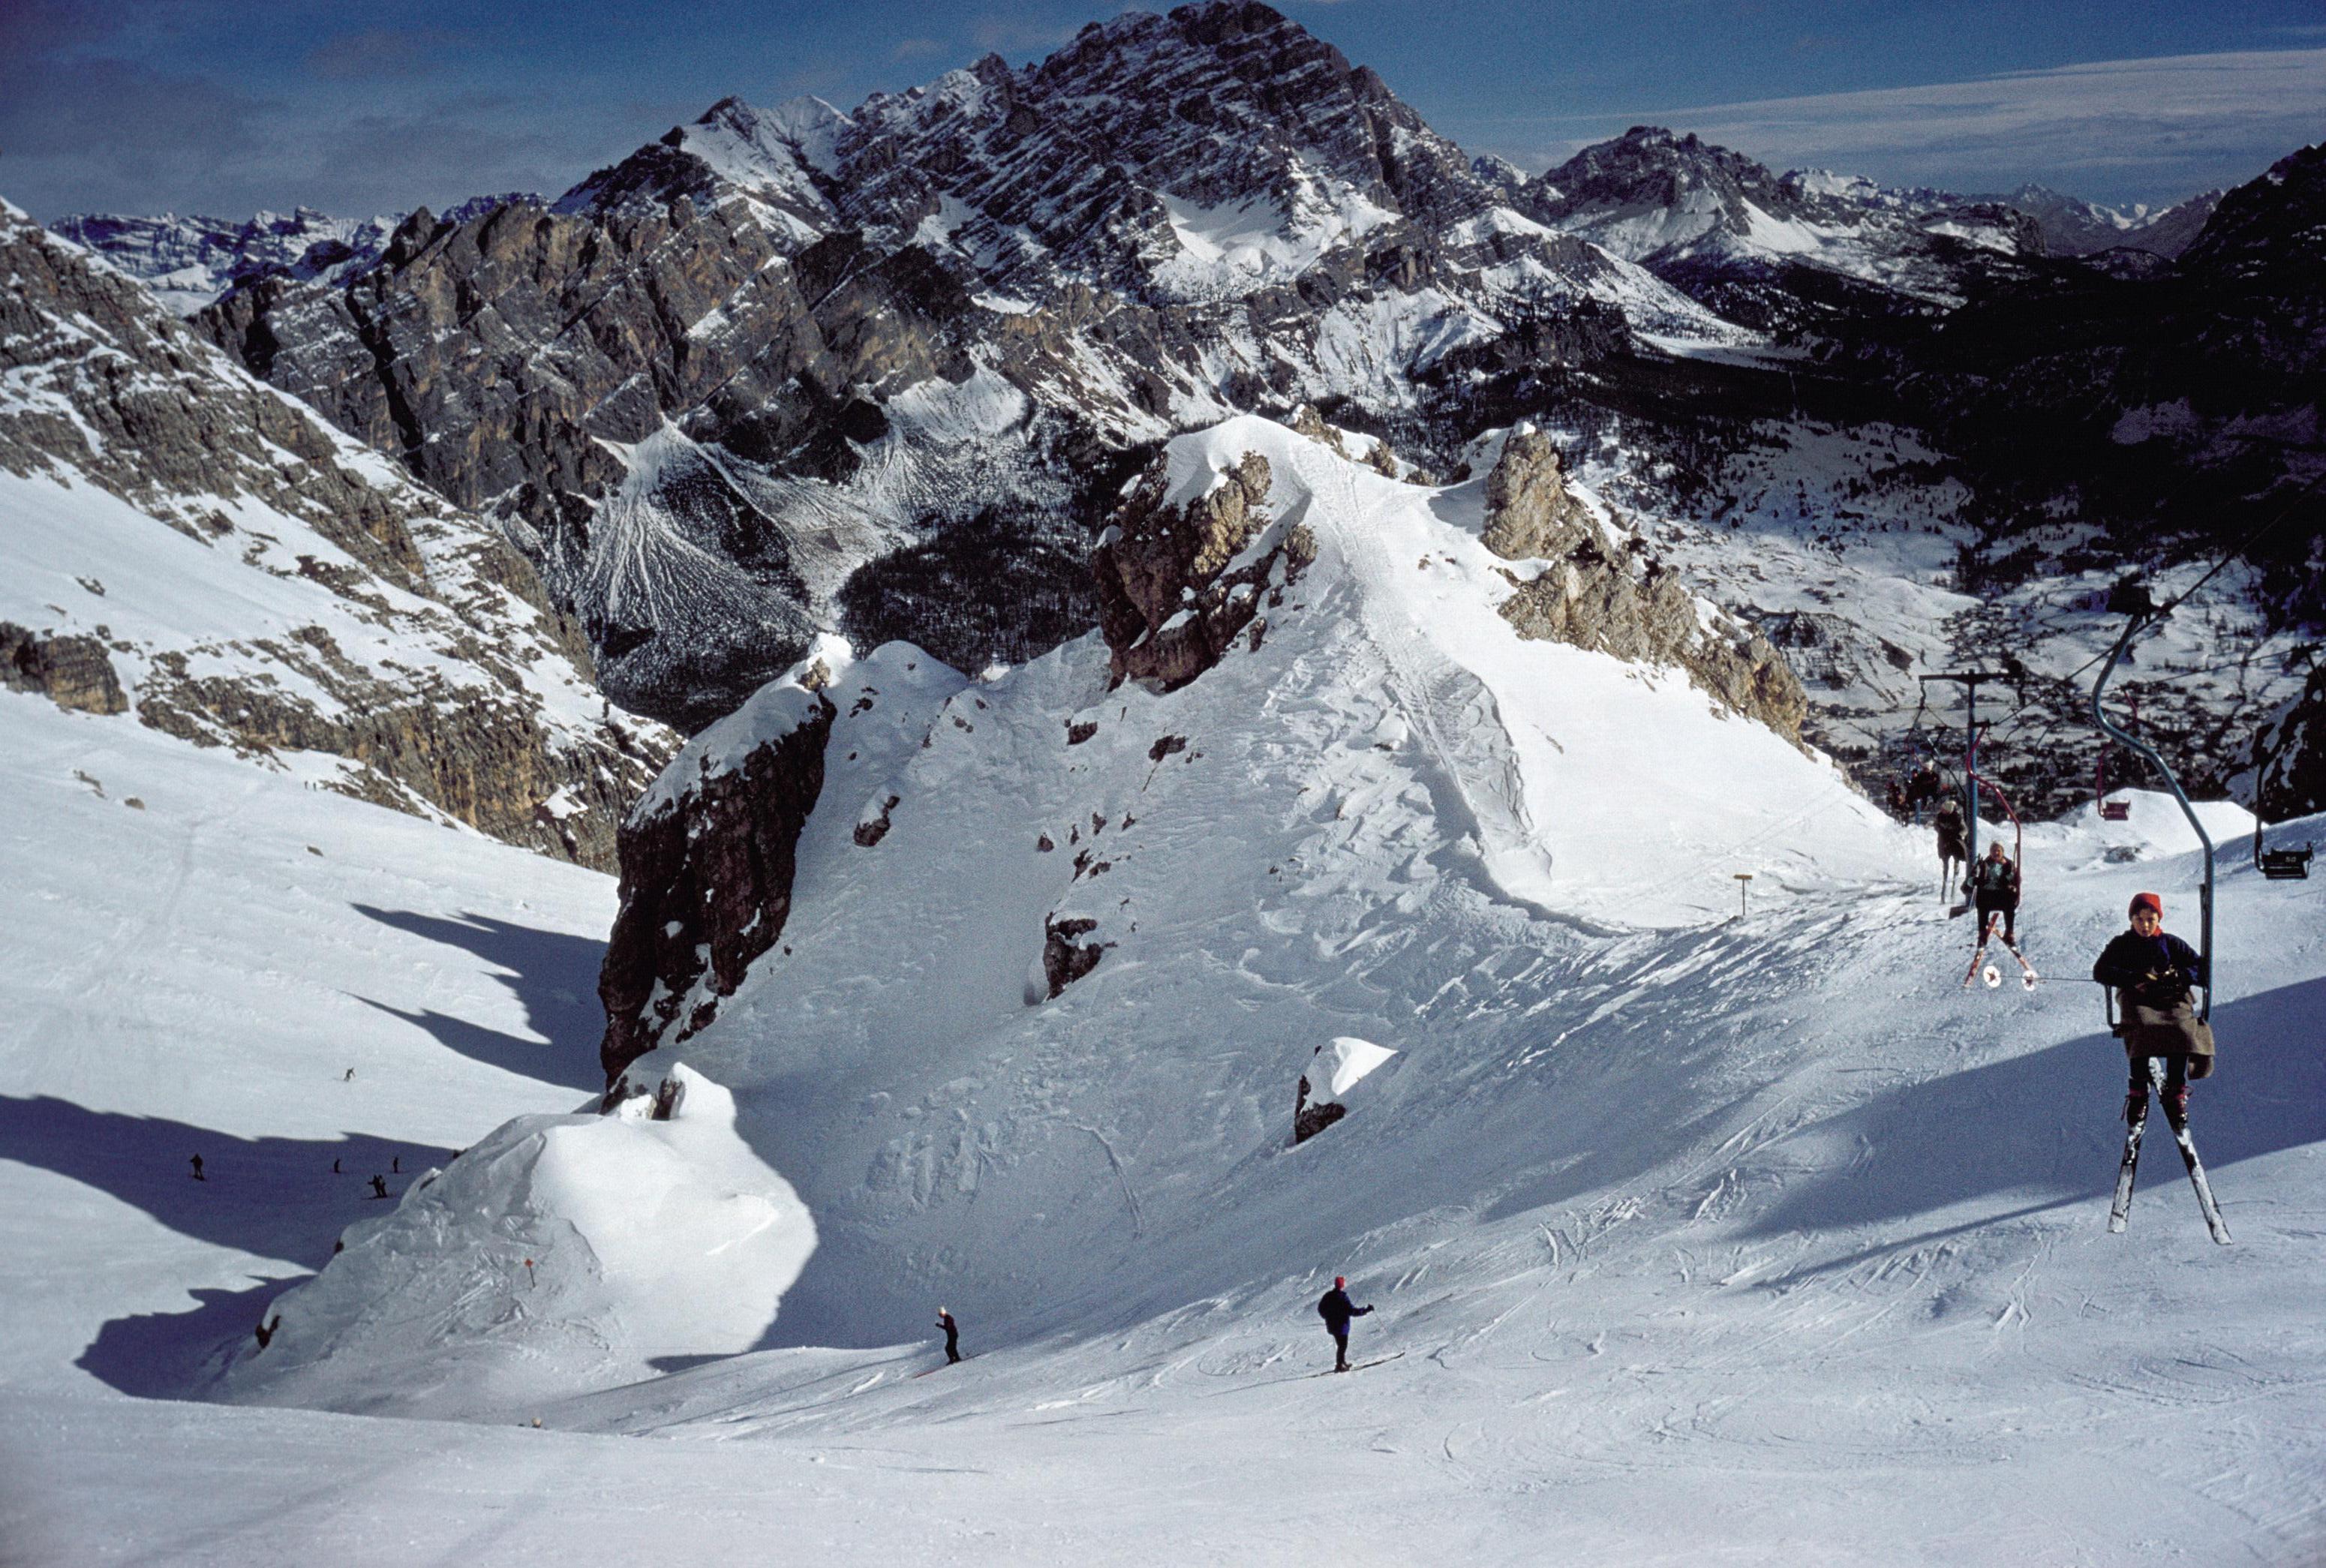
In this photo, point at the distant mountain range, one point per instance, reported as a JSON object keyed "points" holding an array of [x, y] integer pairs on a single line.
{"points": [[885, 370]]}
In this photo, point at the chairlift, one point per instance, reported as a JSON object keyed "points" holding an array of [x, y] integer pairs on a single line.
{"points": [[1976, 780], [2133, 601], [2110, 811]]}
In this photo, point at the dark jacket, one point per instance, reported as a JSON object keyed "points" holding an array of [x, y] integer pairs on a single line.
{"points": [[1949, 825], [2153, 976], [1995, 884], [1336, 1311]]}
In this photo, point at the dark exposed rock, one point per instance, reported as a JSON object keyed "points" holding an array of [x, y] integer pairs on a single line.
{"points": [[874, 829], [1065, 961], [1167, 605], [707, 859], [69, 671]]}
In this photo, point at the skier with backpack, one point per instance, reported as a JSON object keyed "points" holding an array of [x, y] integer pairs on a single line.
{"points": [[1335, 1308]]}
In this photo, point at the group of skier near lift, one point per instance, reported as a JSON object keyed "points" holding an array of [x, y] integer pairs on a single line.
{"points": [[2153, 972]]}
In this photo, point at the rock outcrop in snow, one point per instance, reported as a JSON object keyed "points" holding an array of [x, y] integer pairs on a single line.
{"points": [[1592, 592], [71, 672], [1183, 573], [707, 858]]}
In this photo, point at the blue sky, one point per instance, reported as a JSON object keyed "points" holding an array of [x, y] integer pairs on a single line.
{"points": [[206, 106]]}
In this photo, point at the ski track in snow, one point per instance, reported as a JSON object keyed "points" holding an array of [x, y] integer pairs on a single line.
{"points": [[1750, 1238]]}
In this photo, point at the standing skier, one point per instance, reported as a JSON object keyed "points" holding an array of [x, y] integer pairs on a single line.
{"points": [[2153, 972], [953, 1335], [1995, 888], [1954, 848], [1336, 1310]]}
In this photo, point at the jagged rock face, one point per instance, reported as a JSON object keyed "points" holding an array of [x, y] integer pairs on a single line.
{"points": [[190, 261], [71, 672], [368, 619], [1086, 165], [1596, 593], [1530, 510], [707, 860], [1168, 606], [1172, 219]]}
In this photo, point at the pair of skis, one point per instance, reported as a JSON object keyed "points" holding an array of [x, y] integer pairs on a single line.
{"points": [[2120, 1211], [1989, 972]]}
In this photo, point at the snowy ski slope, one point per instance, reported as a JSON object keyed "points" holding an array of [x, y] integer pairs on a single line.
{"points": [[1706, 1238]]}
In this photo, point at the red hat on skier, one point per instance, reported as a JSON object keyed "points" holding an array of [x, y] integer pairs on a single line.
{"points": [[2141, 900]]}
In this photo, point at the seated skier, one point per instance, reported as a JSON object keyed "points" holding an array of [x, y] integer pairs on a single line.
{"points": [[2153, 972], [1994, 888], [1954, 846]]}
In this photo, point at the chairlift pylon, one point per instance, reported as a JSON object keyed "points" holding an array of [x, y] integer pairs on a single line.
{"points": [[2132, 601]]}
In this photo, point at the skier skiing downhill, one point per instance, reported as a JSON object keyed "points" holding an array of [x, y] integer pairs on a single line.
{"points": [[2153, 972], [1953, 847], [952, 1333], [1336, 1310]]}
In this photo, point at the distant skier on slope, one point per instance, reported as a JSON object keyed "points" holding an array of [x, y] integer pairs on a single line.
{"points": [[1954, 848], [1335, 1308], [953, 1335], [2153, 972], [196, 1163], [378, 1185], [1994, 886]]}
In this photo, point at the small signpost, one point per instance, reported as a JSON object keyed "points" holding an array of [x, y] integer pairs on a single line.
{"points": [[1742, 878]]}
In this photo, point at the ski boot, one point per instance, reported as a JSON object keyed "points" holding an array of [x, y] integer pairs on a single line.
{"points": [[2136, 1108], [2174, 1098]]}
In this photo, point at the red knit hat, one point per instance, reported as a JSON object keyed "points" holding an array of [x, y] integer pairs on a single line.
{"points": [[1339, 1280], [2141, 900]]}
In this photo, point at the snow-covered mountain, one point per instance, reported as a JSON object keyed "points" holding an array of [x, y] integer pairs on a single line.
{"points": [[190, 262], [882, 372], [190, 550], [1667, 1210], [940, 314], [1724, 223], [2074, 226]]}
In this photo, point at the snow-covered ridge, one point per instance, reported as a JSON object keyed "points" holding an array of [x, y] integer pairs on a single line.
{"points": [[1390, 755]]}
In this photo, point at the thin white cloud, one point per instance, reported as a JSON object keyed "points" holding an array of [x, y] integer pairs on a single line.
{"points": [[2109, 128]]}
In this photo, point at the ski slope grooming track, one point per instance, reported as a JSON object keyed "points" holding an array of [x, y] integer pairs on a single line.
{"points": [[1692, 1236]]}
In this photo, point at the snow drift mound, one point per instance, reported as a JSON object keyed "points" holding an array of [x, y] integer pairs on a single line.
{"points": [[563, 1252]]}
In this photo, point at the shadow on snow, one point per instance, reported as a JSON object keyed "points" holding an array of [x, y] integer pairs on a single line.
{"points": [[553, 974]]}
